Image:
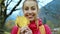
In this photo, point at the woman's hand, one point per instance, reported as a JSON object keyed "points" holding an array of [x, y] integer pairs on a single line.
{"points": [[25, 30]]}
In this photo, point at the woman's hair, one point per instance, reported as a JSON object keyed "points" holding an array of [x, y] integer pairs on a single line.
{"points": [[36, 20], [30, 0]]}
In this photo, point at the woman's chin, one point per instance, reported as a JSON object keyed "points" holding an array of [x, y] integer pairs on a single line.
{"points": [[31, 19]]}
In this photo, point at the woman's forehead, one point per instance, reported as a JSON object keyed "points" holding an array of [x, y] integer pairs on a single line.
{"points": [[30, 3]]}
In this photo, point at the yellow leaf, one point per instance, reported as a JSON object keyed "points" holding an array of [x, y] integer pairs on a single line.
{"points": [[22, 21]]}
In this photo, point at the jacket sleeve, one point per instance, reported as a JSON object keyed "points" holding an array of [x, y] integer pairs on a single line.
{"points": [[47, 29], [14, 30]]}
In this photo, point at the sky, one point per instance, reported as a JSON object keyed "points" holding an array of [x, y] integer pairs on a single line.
{"points": [[41, 3]]}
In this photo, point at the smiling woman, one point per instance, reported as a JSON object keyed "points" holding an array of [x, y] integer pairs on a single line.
{"points": [[33, 25]]}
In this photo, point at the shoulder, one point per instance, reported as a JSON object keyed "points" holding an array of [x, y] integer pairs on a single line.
{"points": [[14, 30], [47, 29]]}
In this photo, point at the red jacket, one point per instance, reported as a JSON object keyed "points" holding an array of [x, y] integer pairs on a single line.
{"points": [[33, 27]]}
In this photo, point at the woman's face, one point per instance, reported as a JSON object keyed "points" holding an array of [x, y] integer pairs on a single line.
{"points": [[30, 10]]}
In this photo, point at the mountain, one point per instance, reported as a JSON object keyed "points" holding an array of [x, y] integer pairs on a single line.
{"points": [[51, 11]]}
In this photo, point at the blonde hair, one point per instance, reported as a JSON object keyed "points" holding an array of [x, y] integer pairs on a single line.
{"points": [[30, 0], [36, 20]]}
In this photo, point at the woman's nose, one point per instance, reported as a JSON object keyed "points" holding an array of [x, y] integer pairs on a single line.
{"points": [[29, 11]]}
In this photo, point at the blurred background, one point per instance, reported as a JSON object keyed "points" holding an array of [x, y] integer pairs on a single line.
{"points": [[49, 13]]}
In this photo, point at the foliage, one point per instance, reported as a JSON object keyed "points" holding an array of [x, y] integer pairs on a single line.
{"points": [[50, 24], [3, 13]]}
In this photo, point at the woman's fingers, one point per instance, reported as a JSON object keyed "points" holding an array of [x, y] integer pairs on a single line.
{"points": [[22, 30], [25, 30], [28, 32]]}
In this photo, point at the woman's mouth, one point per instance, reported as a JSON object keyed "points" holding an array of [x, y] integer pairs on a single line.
{"points": [[30, 15]]}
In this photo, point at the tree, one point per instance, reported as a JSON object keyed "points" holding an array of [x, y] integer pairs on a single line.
{"points": [[3, 13]]}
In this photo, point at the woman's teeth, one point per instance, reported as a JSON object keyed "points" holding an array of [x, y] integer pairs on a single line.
{"points": [[30, 15]]}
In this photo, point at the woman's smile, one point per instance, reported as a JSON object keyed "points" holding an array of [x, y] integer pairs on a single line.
{"points": [[30, 16]]}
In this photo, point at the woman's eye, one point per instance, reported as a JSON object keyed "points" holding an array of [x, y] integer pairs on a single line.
{"points": [[26, 8], [32, 8]]}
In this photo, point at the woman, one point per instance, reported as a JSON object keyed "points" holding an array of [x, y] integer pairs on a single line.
{"points": [[35, 26]]}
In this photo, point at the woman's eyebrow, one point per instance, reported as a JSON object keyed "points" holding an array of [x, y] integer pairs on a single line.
{"points": [[26, 7], [32, 6]]}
